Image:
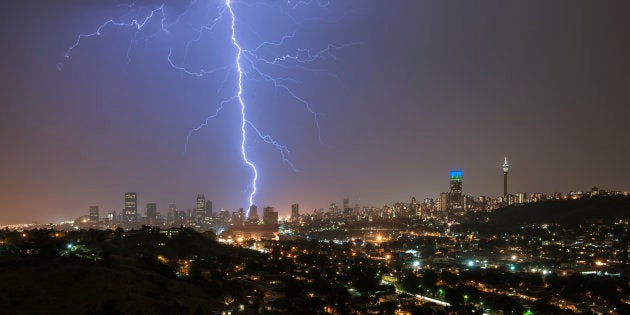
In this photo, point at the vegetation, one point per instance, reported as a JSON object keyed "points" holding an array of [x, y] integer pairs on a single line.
{"points": [[115, 272]]}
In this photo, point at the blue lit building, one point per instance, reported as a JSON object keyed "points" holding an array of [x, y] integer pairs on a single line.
{"points": [[455, 194]]}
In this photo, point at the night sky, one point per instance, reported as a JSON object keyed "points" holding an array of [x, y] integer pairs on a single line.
{"points": [[423, 88]]}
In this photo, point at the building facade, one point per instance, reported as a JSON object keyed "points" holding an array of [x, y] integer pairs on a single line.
{"points": [[130, 213]]}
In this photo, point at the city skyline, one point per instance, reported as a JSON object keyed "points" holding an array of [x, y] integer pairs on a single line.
{"points": [[429, 87], [201, 209]]}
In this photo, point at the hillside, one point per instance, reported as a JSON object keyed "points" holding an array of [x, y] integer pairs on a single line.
{"points": [[564, 211], [70, 285], [116, 272]]}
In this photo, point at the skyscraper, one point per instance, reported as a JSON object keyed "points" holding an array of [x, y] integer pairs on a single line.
{"points": [[171, 216], [455, 194], [253, 213], [443, 202], [130, 213], [209, 213], [111, 217], [346, 203], [295, 211], [200, 211], [270, 217], [94, 215], [151, 210], [506, 168]]}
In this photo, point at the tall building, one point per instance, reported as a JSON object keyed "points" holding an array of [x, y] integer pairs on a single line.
{"points": [[200, 210], [506, 168], [455, 194], [414, 207], [151, 212], [270, 217], [94, 214], [253, 213], [238, 216], [111, 217], [172, 216], [130, 213], [209, 209], [346, 203], [443, 202], [295, 211]]}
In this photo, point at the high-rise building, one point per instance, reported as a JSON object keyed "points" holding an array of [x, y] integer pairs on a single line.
{"points": [[94, 215], [506, 168], [151, 212], [455, 193], [414, 207], [270, 217], [111, 217], [443, 202], [172, 216], [200, 210], [295, 211], [130, 213], [346, 203], [209, 213], [253, 213]]}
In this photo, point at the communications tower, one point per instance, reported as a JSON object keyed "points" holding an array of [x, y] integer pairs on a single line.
{"points": [[506, 168]]}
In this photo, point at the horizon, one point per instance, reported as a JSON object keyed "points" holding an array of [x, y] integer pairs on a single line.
{"points": [[282, 102], [287, 213]]}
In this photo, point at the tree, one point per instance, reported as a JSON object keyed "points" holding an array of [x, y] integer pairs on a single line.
{"points": [[508, 305], [410, 283], [429, 278], [449, 277], [366, 282]]}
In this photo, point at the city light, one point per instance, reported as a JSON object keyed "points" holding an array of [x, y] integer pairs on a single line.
{"points": [[154, 163]]}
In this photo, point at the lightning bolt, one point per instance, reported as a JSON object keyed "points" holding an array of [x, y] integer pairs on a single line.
{"points": [[247, 65], [239, 96]]}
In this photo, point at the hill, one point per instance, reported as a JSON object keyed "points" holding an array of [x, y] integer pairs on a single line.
{"points": [[70, 285], [116, 272], [564, 212]]}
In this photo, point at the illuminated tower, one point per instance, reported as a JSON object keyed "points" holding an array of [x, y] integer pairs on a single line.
{"points": [[506, 168], [200, 211], [130, 214], [456, 177]]}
